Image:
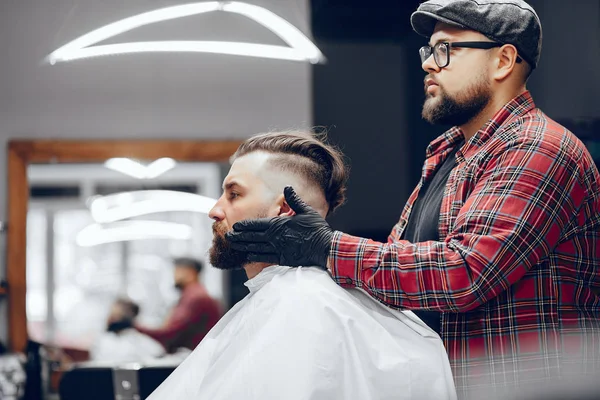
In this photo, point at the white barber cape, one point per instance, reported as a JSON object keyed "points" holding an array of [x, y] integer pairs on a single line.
{"points": [[298, 335], [128, 345]]}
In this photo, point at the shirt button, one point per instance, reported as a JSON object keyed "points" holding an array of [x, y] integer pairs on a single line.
{"points": [[349, 281]]}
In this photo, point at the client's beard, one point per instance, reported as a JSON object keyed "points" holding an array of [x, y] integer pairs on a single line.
{"points": [[221, 255]]}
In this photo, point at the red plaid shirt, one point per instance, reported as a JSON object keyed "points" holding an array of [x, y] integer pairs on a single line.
{"points": [[517, 275], [190, 320]]}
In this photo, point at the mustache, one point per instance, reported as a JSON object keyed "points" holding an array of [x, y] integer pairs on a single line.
{"points": [[427, 78], [219, 228]]}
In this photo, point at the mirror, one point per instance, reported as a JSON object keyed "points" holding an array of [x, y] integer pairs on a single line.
{"points": [[95, 233], [83, 231]]}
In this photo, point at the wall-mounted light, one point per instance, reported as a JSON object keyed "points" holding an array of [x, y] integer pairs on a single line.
{"points": [[96, 234], [116, 207], [137, 170], [300, 47]]}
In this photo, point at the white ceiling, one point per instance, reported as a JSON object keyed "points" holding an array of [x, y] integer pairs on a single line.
{"points": [[145, 95]]}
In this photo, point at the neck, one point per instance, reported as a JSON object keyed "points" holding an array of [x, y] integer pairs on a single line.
{"points": [[188, 284], [496, 103], [254, 269]]}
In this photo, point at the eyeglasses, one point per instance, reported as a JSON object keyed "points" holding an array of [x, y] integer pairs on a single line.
{"points": [[441, 51]]}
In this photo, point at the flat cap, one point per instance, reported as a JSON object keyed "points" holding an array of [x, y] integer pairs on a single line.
{"points": [[505, 21]]}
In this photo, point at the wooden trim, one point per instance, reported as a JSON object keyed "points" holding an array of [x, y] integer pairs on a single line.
{"points": [[44, 151], [23, 152], [18, 198]]}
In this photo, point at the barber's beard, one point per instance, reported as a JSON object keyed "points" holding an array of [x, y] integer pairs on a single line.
{"points": [[457, 110], [221, 255], [179, 286]]}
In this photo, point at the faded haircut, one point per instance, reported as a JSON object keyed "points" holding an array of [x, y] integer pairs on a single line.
{"points": [[307, 155]]}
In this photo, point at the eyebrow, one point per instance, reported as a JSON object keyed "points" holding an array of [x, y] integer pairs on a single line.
{"points": [[231, 185]]}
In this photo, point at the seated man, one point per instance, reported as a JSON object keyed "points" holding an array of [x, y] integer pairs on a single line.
{"points": [[121, 342], [298, 335]]}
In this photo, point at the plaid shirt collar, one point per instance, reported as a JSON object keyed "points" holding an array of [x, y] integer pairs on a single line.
{"points": [[511, 111]]}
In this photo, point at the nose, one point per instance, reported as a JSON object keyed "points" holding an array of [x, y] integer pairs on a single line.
{"points": [[217, 212], [429, 65]]}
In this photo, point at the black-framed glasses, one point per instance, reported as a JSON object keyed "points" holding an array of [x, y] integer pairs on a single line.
{"points": [[441, 50]]}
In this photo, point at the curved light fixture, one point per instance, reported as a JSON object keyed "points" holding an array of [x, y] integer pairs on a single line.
{"points": [[96, 234], [116, 207], [300, 47], [136, 170]]}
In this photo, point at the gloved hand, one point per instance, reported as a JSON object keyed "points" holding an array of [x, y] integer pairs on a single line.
{"points": [[302, 239]]}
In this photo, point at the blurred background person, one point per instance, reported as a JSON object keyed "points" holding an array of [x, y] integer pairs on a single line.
{"points": [[193, 316], [121, 342]]}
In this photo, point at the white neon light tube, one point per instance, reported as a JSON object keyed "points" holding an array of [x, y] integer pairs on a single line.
{"points": [[96, 234], [231, 48], [134, 169], [300, 47], [125, 205]]}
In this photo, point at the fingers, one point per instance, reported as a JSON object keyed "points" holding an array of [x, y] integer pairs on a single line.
{"points": [[257, 225], [266, 258], [261, 248], [295, 202], [245, 237]]}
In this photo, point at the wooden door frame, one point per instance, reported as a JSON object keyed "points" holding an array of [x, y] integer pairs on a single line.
{"points": [[23, 152]]}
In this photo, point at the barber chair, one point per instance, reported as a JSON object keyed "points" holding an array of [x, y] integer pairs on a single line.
{"points": [[93, 381]]}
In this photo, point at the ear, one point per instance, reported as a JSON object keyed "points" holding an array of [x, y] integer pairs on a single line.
{"points": [[505, 62], [284, 207]]}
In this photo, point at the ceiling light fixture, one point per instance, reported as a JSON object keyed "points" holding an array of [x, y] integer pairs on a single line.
{"points": [[96, 234], [116, 207], [135, 169], [300, 47]]}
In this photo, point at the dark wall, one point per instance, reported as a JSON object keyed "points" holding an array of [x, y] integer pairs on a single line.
{"points": [[369, 95], [371, 91], [359, 96], [567, 82]]}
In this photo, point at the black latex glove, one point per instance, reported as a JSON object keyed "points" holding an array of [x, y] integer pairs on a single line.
{"points": [[302, 239]]}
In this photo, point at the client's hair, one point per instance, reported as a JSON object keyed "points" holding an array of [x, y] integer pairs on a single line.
{"points": [[130, 309], [306, 154]]}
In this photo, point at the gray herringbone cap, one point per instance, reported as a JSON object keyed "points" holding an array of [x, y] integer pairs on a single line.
{"points": [[505, 21]]}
